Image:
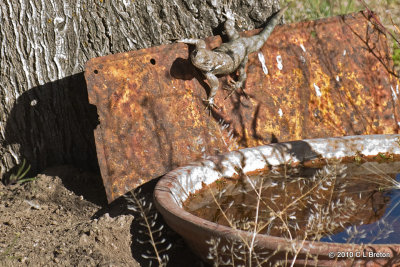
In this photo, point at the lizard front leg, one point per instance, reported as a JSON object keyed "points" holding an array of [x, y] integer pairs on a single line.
{"points": [[241, 80], [214, 84]]}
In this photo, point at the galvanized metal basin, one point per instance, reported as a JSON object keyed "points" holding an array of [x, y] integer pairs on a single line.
{"points": [[175, 187]]}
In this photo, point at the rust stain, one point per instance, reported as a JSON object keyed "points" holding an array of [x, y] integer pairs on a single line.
{"points": [[330, 77]]}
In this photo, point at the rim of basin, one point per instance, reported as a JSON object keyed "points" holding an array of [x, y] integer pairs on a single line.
{"points": [[176, 186]]}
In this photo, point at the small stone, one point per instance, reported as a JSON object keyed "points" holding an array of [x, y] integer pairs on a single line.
{"points": [[83, 240], [33, 204], [107, 217]]}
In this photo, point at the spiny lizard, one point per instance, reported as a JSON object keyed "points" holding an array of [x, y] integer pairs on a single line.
{"points": [[230, 56]]}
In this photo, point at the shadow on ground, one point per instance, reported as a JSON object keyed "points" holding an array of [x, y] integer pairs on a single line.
{"points": [[52, 124]]}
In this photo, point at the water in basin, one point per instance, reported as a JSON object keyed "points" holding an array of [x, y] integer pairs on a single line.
{"points": [[347, 203]]}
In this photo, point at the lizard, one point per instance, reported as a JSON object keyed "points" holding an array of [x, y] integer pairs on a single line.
{"points": [[228, 57]]}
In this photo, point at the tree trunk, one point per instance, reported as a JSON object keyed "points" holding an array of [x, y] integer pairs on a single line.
{"points": [[44, 45]]}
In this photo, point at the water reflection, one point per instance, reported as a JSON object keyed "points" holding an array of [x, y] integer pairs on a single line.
{"points": [[383, 231]]}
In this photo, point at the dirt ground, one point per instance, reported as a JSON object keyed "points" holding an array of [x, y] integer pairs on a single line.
{"points": [[63, 219]]}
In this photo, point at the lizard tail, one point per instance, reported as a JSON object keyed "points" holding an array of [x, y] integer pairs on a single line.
{"points": [[264, 34]]}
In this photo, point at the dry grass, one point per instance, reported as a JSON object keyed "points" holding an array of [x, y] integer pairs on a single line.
{"points": [[321, 219], [388, 12], [320, 206]]}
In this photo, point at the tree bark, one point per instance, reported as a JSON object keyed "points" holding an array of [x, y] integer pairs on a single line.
{"points": [[45, 116]]}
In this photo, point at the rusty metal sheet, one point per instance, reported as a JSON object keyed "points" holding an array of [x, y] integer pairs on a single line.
{"points": [[329, 77]]}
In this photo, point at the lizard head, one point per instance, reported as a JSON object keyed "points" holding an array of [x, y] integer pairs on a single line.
{"points": [[203, 59]]}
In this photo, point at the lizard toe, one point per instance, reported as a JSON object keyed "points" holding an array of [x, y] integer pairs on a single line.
{"points": [[210, 104]]}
